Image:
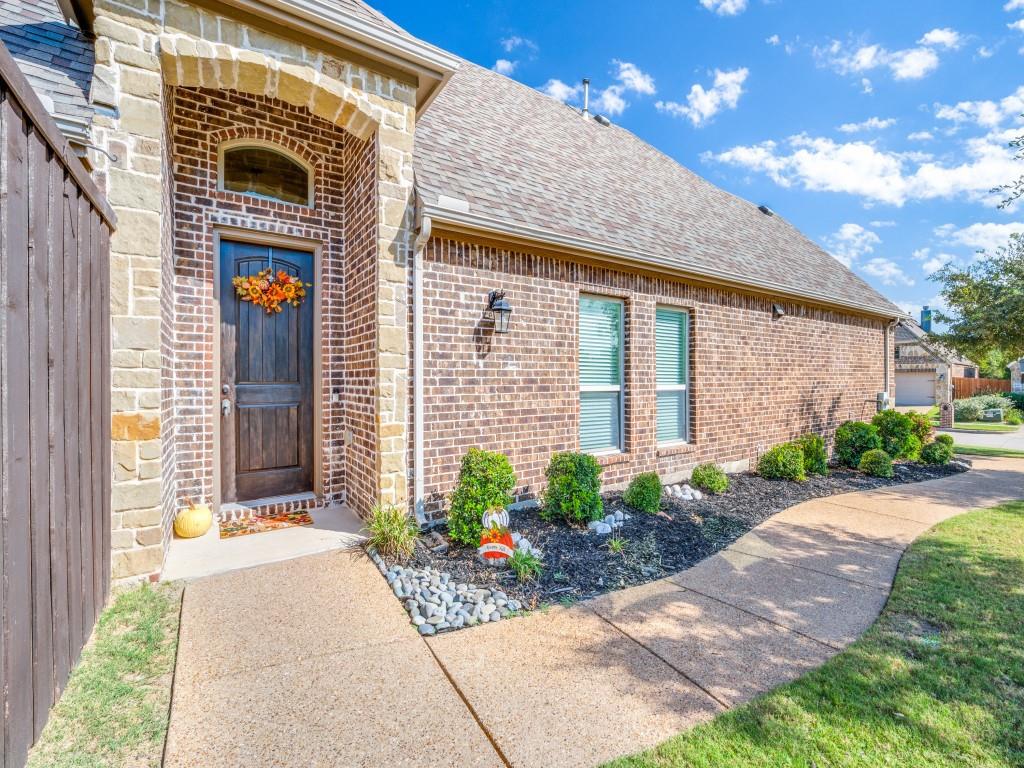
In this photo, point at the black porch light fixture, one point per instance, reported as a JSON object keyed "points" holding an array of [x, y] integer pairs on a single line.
{"points": [[498, 311]]}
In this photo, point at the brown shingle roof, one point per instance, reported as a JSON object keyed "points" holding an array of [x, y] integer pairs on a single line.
{"points": [[521, 157]]}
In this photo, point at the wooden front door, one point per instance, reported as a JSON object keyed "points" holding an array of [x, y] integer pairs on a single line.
{"points": [[266, 393]]}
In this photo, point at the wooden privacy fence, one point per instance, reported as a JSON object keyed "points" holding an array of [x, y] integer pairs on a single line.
{"points": [[970, 387], [54, 410]]}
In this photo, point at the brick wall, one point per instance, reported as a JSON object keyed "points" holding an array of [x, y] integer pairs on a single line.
{"points": [[201, 120], [755, 381]]}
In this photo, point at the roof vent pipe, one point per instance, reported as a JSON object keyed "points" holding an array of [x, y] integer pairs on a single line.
{"points": [[586, 96]]}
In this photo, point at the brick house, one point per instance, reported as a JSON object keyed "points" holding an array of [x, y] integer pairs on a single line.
{"points": [[656, 320], [925, 370]]}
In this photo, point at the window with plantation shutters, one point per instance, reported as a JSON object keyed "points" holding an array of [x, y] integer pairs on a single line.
{"points": [[600, 360], [672, 344]]}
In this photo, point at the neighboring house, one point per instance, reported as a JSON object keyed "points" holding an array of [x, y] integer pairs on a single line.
{"points": [[1016, 375], [925, 370], [656, 320]]}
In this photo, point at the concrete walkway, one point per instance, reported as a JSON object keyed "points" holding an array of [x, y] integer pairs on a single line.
{"points": [[312, 662]]}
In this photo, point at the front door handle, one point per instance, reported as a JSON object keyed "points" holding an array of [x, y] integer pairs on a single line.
{"points": [[225, 407]]}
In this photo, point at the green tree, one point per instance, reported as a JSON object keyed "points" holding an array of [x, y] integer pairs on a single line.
{"points": [[993, 365], [1014, 189], [984, 303]]}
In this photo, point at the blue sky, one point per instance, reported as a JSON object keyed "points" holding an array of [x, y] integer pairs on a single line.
{"points": [[877, 127]]}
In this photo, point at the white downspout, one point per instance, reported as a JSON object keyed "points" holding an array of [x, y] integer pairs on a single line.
{"points": [[422, 236], [888, 355]]}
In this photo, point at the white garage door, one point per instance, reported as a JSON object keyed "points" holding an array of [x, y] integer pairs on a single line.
{"points": [[915, 388]]}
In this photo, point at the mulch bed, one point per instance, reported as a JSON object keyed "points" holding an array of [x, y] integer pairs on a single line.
{"points": [[578, 563]]}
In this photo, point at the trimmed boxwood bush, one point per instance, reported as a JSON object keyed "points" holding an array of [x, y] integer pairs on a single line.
{"points": [[574, 489], [936, 453], [783, 462], [876, 463], [644, 493], [486, 481], [815, 455], [710, 478], [897, 432], [944, 438], [853, 440]]}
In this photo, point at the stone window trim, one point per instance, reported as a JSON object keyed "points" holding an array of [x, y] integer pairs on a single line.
{"points": [[274, 146]]}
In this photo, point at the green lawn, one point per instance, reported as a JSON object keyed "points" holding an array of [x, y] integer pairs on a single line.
{"points": [[985, 450], [938, 680], [114, 711]]}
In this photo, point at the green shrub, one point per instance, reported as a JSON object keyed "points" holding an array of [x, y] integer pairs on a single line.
{"points": [[486, 481], [783, 462], [897, 432], [1017, 398], [815, 455], [710, 478], [1014, 417], [526, 565], [853, 440], [968, 409], [944, 438], [644, 493], [876, 463], [391, 531], [921, 426], [994, 400], [574, 489], [936, 453]]}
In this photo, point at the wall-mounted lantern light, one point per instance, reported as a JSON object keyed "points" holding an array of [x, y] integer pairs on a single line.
{"points": [[498, 311]]}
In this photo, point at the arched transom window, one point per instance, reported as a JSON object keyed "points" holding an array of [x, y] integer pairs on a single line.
{"points": [[265, 170]]}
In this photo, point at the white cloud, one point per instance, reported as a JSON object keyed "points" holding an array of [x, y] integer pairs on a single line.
{"points": [[505, 67], [980, 236], [514, 42], [702, 105], [556, 89], [773, 40], [725, 7], [878, 176], [866, 86], [1014, 5], [987, 114], [944, 38], [905, 64], [934, 263], [850, 242], [886, 270], [985, 52], [610, 101], [871, 124], [881, 224], [633, 79], [920, 136], [1017, 25]]}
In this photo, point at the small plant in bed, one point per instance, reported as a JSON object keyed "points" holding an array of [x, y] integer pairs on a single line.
{"points": [[644, 493], [897, 433], [526, 566], [815, 455], [783, 462], [574, 489], [937, 452], [710, 478], [391, 532], [944, 438], [485, 482], [616, 545], [876, 463], [853, 440]]}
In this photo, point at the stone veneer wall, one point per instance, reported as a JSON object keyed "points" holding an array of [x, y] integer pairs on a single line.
{"points": [[755, 381], [141, 47]]}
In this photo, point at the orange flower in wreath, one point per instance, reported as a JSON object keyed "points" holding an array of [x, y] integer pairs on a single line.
{"points": [[270, 291]]}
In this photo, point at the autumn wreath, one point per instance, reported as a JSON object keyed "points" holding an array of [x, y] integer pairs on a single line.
{"points": [[264, 289]]}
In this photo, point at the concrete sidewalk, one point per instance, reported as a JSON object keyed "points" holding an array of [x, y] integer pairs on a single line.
{"points": [[312, 662]]}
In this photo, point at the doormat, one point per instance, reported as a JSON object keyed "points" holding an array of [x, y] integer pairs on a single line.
{"points": [[243, 526]]}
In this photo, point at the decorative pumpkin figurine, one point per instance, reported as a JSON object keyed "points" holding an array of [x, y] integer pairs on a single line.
{"points": [[496, 545], [194, 520]]}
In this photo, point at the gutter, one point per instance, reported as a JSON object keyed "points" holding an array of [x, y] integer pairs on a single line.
{"points": [[423, 228], [464, 221]]}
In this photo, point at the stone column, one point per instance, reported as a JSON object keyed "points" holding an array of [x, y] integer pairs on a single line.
{"points": [[127, 88]]}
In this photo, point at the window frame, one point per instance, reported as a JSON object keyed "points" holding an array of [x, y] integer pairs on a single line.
{"points": [[684, 387], [620, 388], [232, 144]]}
